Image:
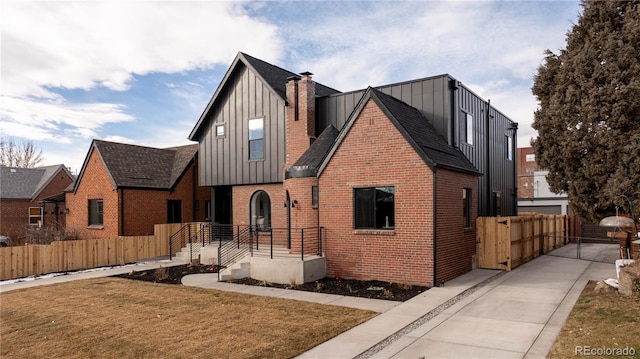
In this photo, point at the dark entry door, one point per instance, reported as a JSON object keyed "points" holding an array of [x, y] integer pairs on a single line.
{"points": [[174, 211], [222, 205]]}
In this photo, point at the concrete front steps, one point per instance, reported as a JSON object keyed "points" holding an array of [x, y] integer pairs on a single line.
{"points": [[283, 268], [185, 253]]}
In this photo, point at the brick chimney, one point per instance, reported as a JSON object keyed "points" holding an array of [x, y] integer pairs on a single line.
{"points": [[301, 116]]}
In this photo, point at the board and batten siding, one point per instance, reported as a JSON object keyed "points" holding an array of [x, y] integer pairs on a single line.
{"points": [[224, 160], [488, 153], [444, 102]]}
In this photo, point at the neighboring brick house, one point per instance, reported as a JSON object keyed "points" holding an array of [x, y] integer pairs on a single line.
{"points": [[534, 194], [32, 197], [395, 175], [124, 190]]}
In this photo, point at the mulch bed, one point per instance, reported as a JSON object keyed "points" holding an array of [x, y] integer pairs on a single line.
{"points": [[348, 287]]}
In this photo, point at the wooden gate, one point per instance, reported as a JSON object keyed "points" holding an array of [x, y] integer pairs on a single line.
{"points": [[493, 243], [507, 242]]}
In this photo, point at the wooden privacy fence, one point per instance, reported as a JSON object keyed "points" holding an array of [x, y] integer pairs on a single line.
{"points": [[507, 242], [62, 256]]}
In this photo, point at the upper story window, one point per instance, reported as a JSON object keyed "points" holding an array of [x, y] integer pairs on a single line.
{"points": [[256, 139], [374, 208], [219, 130], [509, 148], [95, 212], [467, 128], [530, 157], [35, 216]]}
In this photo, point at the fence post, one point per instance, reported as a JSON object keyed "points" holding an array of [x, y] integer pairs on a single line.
{"points": [[271, 242]]}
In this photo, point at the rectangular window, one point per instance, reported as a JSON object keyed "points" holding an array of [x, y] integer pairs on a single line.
{"points": [[207, 209], [95, 212], [35, 216], [509, 148], [469, 129], [530, 157], [314, 196], [497, 204], [466, 207], [256, 139], [220, 130], [374, 208], [174, 211]]}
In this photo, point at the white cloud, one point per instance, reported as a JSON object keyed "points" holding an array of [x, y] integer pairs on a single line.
{"points": [[47, 46]]}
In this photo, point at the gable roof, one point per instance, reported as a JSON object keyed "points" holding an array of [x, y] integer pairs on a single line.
{"points": [[132, 166], [273, 76], [415, 128], [307, 165], [27, 183]]}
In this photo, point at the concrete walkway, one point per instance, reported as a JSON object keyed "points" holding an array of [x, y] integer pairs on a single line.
{"points": [[482, 314]]}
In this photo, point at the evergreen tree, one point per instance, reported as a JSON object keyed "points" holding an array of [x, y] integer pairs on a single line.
{"points": [[588, 119]]}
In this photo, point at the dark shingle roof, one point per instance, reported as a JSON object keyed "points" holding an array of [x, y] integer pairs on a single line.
{"points": [[307, 165], [26, 183], [412, 124], [425, 136], [277, 77], [144, 167]]}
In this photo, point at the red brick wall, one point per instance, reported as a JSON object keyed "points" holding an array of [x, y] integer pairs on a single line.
{"points": [[241, 197], [455, 244], [14, 214], [94, 184], [374, 153], [303, 214], [14, 217], [300, 132], [145, 208], [525, 173]]}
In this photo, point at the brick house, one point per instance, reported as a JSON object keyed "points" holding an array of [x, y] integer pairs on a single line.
{"points": [[395, 176], [32, 197], [124, 190], [533, 188]]}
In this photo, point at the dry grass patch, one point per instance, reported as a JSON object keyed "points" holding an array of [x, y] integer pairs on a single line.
{"points": [[600, 320], [119, 318]]}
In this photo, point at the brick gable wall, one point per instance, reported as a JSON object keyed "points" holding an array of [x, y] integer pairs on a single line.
{"points": [[94, 184], [373, 154]]}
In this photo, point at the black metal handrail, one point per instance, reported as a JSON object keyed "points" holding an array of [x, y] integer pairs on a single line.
{"points": [[235, 247], [190, 235]]}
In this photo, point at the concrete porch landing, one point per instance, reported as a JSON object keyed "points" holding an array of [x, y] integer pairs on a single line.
{"points": [[275, 265]]}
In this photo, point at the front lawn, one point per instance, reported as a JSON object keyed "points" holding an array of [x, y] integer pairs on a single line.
{"points": [[119, 318], [601, 324]]}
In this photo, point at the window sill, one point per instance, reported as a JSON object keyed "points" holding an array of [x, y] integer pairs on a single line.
{"points": [[376, 232], [96, 226]]}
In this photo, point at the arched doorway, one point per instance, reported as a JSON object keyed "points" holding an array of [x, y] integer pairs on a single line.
{"points": [[260, 210]]}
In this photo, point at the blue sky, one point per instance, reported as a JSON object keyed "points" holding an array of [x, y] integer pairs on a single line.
{"points": [[142, 72]]}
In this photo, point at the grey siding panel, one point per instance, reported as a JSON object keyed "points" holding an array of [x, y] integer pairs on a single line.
{"points": [[436, 98], [225, 160], [488, 154]]}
